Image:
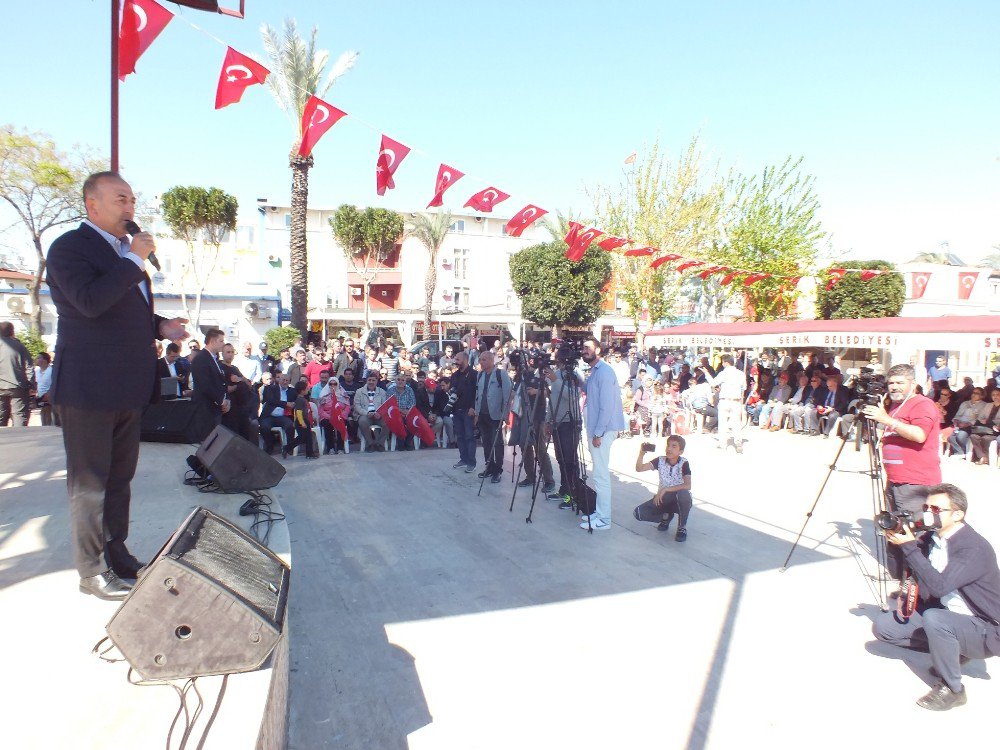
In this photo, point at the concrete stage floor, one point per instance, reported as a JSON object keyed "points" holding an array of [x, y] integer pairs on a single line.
{"points": [[427, 617]]}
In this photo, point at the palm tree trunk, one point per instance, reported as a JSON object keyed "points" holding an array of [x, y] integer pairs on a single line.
{"points": [[297, 252], [430, 284]]}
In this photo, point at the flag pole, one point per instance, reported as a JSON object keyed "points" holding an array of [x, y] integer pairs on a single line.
{"points": [[114, 84]]}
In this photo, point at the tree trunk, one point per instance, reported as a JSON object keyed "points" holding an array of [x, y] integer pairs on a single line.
{"points": [[430, 284], [368, 302], [298, 256], [34, 294]]}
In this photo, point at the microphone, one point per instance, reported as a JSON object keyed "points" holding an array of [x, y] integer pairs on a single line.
{"points": [[133, 229]]}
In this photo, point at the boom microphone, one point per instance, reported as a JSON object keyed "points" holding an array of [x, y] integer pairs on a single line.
{"points": [[133, 229]]}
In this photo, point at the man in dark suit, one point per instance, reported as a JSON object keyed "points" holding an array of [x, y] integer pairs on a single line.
{"points": [[107, 330], [210, 392], [241, 415], [278, 399], [958, 614], [169, 366], [834, 405]]}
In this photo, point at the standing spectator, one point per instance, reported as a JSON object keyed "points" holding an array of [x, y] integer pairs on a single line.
{"points": [[348, 359], [242, 398], [103, 299], [463, 383], [283, 362], [304, 420], [15, 387], [367, 400], [471, 340], [731, 383], [265, 360], [248, 364], [493, 391], [318, 365], [448, 358], [210, 392], [389, 362], [297, 370], [621, 369], [604, 419], [43, 381], [938, 375]]}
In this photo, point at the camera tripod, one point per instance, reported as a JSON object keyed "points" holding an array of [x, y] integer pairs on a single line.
{"points": [[865, 428]]}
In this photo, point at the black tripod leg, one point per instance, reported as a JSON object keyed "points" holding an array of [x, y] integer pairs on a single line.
{"points": [[829, 473]]}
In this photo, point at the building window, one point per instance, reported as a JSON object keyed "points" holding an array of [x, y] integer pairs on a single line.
{"points": [[458, 226], [288, 221], [461, 263], [460, 297], [503, 228]]}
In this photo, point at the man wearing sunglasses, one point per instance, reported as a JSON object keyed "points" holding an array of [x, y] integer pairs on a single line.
{"points": [[958, 615]]}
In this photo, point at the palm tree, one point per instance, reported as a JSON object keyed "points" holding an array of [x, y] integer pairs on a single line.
{"points": [[992, 260], [430, 229], [296, 74]]}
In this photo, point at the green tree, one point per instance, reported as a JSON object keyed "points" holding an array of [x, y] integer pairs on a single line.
{"points": [[674, 207], [296, 74], [881, 296], [200, 217], [555, 291], [431, 230], [992, 260], [774, 229], [281, 337], [44, 186], [32, 341], [368, 237]]}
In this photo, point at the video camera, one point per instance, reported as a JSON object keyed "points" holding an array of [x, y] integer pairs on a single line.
{"points": [[895, 520], [871, 388]]}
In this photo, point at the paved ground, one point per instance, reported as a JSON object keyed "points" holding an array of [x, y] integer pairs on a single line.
{"points": [[424, 616], [428, 617]]}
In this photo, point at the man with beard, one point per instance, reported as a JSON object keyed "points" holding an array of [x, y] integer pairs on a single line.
{"points": [[604, 419]]}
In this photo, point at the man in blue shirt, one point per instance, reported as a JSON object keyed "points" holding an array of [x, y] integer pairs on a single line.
{"points": [[938, 376], [605, 419]]}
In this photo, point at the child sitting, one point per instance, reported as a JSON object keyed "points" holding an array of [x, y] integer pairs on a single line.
{"points": [[674, 494]]}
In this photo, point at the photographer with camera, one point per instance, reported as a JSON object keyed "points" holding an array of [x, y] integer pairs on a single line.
{"points": [[958, 615], [564, 425], [910, 442], [529, 415], [674, 493]]}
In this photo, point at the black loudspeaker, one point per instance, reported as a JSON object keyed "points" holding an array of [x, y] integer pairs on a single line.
{"points": [[236, 465], [212, 601], [175, 421]]}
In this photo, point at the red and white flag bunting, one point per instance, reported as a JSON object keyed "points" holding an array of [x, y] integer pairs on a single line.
{"points": [[390, 154], [920, 279], [142, 22], [317, 118], [447, 176], [486, 199], [238, 73], [524, 219], [966, 280]]}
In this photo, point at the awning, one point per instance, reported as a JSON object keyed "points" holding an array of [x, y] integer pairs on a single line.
{"points": [[948, 332]]}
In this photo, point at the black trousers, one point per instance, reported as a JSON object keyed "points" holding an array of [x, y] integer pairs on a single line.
{"points": [[492, 444], [537, 447], [566, 439], [945, 634], [102, 449], [285, 423], [14, 407]]}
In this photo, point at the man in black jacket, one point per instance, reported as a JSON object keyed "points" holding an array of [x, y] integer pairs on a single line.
{"points": [[210, 393], [15, 364], [463, 384], [107, 327], [958, 616]]}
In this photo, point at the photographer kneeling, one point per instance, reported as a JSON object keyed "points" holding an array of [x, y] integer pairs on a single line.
{"points": [[674, 494], [958, 615]]}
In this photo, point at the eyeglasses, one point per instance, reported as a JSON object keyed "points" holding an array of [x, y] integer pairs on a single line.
{"points": [[936, 510]]}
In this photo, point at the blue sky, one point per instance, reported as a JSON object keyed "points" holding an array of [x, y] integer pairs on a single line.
{"points": [[894, 106]]}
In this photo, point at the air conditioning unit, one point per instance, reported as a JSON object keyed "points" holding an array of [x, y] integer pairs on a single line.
{"points": [[15, 305], [251, 309], [265, 313], [479, 219]]}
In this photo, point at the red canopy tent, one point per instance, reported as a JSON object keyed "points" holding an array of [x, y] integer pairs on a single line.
{"points": [[949, 332]]}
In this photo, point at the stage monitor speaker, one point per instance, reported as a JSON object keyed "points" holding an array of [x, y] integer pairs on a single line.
{"points": [[237, 465], [211, 602], [175, 421]]}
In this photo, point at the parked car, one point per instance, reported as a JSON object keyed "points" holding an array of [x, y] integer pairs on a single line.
{"points": [[436, 346]]}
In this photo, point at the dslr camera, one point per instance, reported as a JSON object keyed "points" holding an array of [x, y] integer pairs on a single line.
{"points": [[648, 448], [895, 520], [870, 387]]}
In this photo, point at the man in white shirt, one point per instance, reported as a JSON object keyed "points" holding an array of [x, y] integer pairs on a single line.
{"points": [[43, 381], [731, 384], [248, 364]]}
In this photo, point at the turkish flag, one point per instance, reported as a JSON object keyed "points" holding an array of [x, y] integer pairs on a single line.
{"points": [[574, 230], [728, 278], [238, 73], [419, 426], [636, 252], [793, 281], [392, 418], [524, 219], [869, 274], [712, 270], [689, 264], [338, 416], [664, 259], [582, 241], [920, 279], [612, 243], [390, 154], [142, 22], [486, 199], [754, 278], [447, 176], [317, 118], [833, 276], [966, 280]]}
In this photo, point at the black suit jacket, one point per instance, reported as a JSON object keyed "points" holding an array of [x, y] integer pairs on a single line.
{"points": [[840, 399], [162, 371], [209, 384], [105, 351], [271, 399]]}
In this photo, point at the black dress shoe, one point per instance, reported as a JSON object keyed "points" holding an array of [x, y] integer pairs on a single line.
{"points": [[526, 482], [941, 698], [483, 474], [496, 478], [106, 585]]}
